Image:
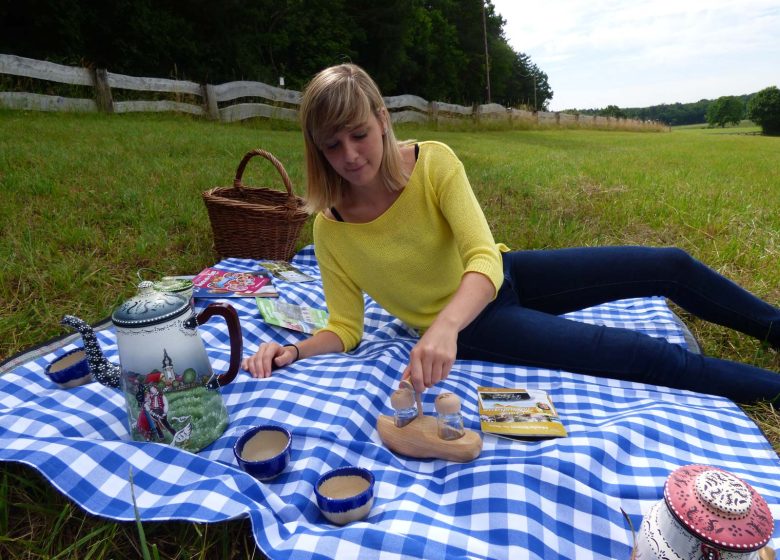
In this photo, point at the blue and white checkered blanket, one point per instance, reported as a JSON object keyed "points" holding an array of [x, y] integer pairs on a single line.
{"points": [[557, 498]]}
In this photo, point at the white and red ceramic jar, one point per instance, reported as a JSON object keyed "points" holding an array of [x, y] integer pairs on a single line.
{"points": [[706, 513]]}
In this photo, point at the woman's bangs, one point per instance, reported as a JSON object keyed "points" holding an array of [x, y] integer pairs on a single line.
{"points": [[349, 108]]}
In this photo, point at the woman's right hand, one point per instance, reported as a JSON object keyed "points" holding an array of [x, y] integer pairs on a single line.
{"points": [[268, 357]]}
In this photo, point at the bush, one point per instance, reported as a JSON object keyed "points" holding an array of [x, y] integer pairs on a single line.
{"points": [[764, 110]]}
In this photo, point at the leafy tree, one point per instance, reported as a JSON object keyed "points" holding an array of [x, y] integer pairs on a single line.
{"points": [[613, 111], [466, 16], [502, 59], [435, 58], [319, 33], [764, 110], [725, 110], [544, 92], [528, 85], [379, 38]]}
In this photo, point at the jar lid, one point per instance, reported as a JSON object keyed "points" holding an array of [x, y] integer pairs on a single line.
{"points": [[402, 399], [149, 307], [719, 508], [447, 403]]}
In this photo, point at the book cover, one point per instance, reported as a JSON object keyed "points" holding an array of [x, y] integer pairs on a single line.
{"points": [[518, 413], [291, 316], [285, 271], [215, 283]]}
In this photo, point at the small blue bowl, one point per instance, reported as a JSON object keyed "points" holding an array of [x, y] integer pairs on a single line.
{"points": [[264, 451], [345, 494], [70, 370]]}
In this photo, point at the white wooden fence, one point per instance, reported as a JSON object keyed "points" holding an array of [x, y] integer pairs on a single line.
{"points": [[218, 102]]}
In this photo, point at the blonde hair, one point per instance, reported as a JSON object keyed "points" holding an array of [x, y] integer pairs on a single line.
{"points": [[338, 97]]}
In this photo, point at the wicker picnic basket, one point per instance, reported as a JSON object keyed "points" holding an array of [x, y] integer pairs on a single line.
{"points": [[255, 222]]}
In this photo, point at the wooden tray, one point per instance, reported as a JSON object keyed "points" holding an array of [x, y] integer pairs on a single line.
{"points": [[420, 440]]}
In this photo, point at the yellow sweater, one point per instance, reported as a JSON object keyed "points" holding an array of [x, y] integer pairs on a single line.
{"points": [[410, 259]]}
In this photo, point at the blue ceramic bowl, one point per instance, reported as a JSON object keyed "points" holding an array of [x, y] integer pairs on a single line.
{"points": [[263, 451], [345, 494], [70, 370]]}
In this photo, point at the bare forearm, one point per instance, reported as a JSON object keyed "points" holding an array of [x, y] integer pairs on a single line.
{"points": [[324, 342], [272, 355], [472, 296], [432, 357]]}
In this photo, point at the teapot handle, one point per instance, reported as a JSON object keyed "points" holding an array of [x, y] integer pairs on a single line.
{"points": [[230, 315]]}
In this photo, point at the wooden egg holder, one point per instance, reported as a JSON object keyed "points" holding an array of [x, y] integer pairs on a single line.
{"points": [[420, 439]]}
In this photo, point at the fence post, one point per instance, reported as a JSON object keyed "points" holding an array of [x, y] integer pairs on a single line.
{"points": [[433, 114], [475, 113], [103, 91], [210, 101]]}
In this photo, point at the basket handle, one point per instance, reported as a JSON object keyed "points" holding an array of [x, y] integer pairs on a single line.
{"points": [[291, 198]]}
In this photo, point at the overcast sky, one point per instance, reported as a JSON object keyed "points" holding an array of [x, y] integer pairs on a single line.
{"points": [[636, 54]]}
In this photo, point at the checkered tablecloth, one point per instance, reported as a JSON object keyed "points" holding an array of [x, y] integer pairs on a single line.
{"points": [[558, 498]]}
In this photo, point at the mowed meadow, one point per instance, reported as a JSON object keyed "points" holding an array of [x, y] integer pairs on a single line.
{"points": [[89, 200]]}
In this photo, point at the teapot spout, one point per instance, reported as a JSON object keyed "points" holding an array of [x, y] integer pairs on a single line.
{"points": [[102, 370]]}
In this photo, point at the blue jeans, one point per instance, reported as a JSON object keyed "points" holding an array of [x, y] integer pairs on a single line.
{"points": [[522, 325]]}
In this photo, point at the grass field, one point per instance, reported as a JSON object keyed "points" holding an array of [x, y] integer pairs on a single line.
{"points": [[89, 200]]}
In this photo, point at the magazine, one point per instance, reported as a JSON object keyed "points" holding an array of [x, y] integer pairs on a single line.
{"points": [[285, 271], [215, 283], [291, 316], [518, 413]]}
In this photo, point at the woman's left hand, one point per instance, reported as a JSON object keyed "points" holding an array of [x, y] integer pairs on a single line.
{"points": [[432, 357]]}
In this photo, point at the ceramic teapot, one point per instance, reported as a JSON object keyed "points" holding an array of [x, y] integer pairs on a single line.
{"points": [[709, 514], [170, 389]]}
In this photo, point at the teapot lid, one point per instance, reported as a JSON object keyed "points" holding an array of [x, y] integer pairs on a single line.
{"points": [[149, 307], [173, 285], [719, 508]]}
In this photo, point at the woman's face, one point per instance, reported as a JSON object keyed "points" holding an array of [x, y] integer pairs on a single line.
{"points": [[355, 152]]}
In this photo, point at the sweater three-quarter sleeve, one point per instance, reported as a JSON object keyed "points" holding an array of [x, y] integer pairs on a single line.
{"points": [[344, 298], [464, 214]]}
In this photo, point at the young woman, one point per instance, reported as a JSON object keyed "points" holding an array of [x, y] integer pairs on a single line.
{"points": [[399, 222]]}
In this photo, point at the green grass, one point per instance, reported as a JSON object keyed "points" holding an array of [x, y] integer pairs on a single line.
{"points": [[88, 200], [744, 127]]}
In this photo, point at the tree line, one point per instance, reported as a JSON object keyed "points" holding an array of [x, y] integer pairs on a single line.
{"points": [[673, 114], [762, 107], [435, 49]]}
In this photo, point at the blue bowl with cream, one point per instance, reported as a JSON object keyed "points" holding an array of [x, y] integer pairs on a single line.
{"points": [[264, 451], [345, 494], [70, 370]]}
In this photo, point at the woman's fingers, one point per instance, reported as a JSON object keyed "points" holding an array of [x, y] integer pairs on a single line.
{"points": [[268, 357], [427, 367]]}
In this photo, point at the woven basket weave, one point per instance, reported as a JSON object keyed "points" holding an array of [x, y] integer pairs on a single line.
{"points": [[255, 222]]}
